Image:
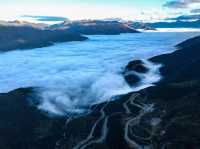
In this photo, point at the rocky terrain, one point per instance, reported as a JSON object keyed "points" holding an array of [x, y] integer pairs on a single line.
{"points": [[165, 116], [23, 35], [95, 27]]}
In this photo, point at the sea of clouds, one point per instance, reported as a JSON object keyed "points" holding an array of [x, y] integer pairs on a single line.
{"points": [[72, 76]]}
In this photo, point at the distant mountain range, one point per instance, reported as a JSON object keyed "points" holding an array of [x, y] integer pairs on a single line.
{"points": [[186, 17], [175, 24], [140, 25], [94, 27], [116, 25], [25, 35], [183, 21]]}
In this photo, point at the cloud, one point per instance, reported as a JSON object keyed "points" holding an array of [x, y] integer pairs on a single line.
{"points": [[46, 18], [175, 4], [195, 11], [180, 4]]}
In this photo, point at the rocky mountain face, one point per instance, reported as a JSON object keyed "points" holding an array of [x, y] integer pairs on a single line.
{"points": [[95, 27]]}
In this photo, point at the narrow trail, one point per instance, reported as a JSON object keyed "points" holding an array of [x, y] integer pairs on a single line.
{"points": [[130, 113], [132, 121], [125, 105], [130, 142], [102, 138], [84, 143]]}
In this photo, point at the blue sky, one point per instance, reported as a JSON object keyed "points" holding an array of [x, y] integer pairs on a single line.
{"points": [[83, 9], [97, 2]]}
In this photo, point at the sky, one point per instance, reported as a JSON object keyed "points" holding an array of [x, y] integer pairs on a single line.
{"points": [[98, 9]]}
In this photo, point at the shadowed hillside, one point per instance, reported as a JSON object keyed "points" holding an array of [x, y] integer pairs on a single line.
{"points": [[26, 37]]}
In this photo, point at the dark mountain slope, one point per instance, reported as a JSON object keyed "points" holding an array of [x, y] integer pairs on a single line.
{"points": [[19, 36]]}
